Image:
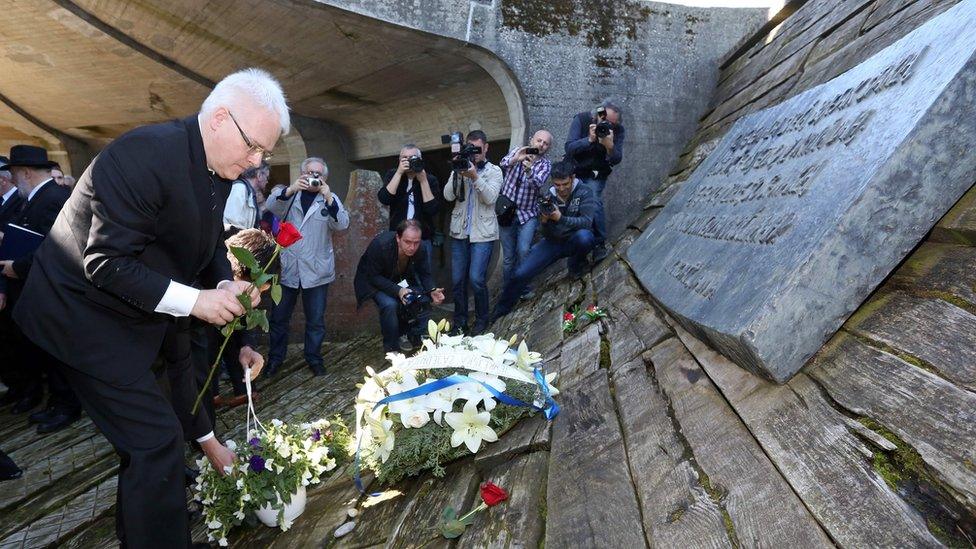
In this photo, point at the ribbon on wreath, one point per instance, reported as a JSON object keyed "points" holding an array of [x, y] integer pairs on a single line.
{"points": [[550, 410]]}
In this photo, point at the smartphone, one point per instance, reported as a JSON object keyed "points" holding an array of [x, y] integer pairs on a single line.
{"points": [[532, 150]]}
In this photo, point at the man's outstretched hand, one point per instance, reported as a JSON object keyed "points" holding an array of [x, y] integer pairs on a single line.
{"points": [[218, 454]]}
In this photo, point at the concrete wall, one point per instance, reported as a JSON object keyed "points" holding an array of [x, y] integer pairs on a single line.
{"points": [[658, 60]]}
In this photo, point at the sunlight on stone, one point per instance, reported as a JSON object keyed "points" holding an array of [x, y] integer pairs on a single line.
{"points": [[381, 497]]}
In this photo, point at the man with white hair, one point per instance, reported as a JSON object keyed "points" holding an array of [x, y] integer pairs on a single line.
{"points": [[115, 278], [308, 266]]}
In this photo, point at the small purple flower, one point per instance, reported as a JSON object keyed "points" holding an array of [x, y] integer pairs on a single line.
{"points": [[257, 464], [316, 435], [255, 442]]}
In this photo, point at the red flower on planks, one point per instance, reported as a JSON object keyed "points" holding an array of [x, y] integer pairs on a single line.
{"points": [[287, 235], [492, 494], [568, 317]]}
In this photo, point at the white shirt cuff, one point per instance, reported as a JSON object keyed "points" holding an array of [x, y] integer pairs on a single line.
{"points": [[205, 437], [178, 300]]}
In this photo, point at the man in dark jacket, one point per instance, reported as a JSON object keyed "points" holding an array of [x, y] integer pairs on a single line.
{"points": [[393, 266], [412, 193], [595, 144], [566, 232], [142, 227], [43, 199]]}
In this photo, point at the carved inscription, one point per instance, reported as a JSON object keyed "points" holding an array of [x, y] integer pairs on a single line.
{"points": [[758, 228], [694, 277], [759, 189]]}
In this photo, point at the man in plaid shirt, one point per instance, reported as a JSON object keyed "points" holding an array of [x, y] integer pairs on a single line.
{"points": [[525, 176]]}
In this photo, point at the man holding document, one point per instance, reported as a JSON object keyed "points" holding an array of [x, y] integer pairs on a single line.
{"points": [[30, 171]]}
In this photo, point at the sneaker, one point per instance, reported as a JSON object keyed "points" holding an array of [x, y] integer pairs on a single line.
{"points": [[405, 345], [599, 254]]}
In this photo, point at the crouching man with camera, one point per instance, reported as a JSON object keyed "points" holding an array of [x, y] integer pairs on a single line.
{"points": [[566, 218], [394, 273], [412, 193]]}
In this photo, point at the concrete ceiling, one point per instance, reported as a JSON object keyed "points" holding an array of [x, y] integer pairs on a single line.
{"points": [[93, 69]]}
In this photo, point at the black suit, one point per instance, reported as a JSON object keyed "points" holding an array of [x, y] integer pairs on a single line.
{"points": [[144, 213], [8, 209], [27, 360], [10, 374]]}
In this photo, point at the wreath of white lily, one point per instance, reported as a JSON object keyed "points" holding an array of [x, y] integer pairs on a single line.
{"points": [[485, 359]]}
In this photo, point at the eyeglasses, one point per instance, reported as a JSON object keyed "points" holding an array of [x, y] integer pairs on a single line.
{"points": [[266, 155]]}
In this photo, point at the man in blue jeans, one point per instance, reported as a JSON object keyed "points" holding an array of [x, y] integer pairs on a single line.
{"points": [[308, 266], [565, 216], [526, 175], [595, 144], [393, 266]]}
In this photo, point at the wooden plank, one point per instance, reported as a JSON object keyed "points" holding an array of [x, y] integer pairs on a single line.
{"points": [[519, 521], [377, 516], [763, 508], [590, 495], [530, 435], [818, 454], [909, 324], [677, 510], [930, 414], [941, 270], [580, 357], [419, 523]]}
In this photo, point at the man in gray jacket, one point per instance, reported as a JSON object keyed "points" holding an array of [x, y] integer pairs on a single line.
{"points": [[308, 266], [566, 220]]}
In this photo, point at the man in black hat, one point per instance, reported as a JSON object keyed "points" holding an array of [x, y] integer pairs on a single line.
{"points": [[10, 201], [31, 172]]}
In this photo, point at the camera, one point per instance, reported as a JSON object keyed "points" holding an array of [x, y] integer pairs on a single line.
{"points": [[603, 126], [532, 150], [314, 179], [416, 163], [464, 158], [415, 304], [546, 205]]}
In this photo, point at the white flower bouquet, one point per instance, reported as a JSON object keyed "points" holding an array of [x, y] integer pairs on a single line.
{"points": [[275, 465], [445, 402]]}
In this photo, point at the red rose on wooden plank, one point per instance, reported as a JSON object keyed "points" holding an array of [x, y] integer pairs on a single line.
{"points": [[492, 495]]}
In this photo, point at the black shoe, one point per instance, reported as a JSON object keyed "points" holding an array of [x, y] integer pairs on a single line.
{"points": [[59, 421], [43, 416], [9, 469], [405, 345], [26, 404], [271, 370], [599, 254], [317, 371], [10, 398]]}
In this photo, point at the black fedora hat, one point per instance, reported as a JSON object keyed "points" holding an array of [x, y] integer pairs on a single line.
{"points": [[4, 162], [29, 156]]}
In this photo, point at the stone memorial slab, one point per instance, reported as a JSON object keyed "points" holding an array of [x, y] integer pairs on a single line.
{"points": [[803, 208]]}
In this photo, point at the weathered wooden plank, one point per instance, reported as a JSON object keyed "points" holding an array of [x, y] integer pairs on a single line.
{"points": [[812, 446], [677, 510], [958, 226], [377, 516], [590, 494], [764, 510], [930, 414], [418, 524], [580, 357], [909, 324], [520, 521], [530, 435], [941, 270]]}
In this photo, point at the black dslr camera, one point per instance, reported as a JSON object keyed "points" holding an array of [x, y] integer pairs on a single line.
{"points": [[415, 304], [546, 205], [603, 126], [462, 155], [416, 163]]}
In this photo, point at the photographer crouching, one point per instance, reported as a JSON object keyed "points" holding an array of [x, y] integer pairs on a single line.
{"points": [[412, 193], [595, 144], [566, 217], [394, 273]]}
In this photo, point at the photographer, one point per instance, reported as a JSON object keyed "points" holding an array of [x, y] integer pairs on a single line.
{"points": [[245, 204], [566, 217], [526, 172], [473, 187], [411, 193], [596, 144], [393, 273], [308, 266]]}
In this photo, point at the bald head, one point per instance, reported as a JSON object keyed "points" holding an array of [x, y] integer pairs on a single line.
{"points": [[541, 140]]}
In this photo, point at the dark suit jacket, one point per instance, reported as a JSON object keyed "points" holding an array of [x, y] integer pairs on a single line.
{"points": [[38, 214], [376, 271], [8, 210], [424, 211], [146, 211]]}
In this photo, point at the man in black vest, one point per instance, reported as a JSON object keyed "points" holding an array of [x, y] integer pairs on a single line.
{"points": [[144, 224], [30, 171]]}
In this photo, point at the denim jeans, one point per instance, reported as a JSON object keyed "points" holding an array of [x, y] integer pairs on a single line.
{"points": [[516, 242], [391, 325], [599, 217], [545, 253], [313, 303], [469, 263]]}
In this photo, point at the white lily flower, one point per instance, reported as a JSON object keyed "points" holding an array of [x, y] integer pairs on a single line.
{"points": [[381, 430], [472, 392], [214, 524], [491, 348], [277, 422], [222, 542], [525, 358], [408, 382], [470, 427], [553, 391]]}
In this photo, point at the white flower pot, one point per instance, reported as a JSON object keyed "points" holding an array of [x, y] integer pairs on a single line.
{"points": [[269, 516]]}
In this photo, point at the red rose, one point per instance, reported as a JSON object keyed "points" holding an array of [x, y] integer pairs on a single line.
{"points": [[569, 317], [492, 495], [287, 235], [591, 309]]}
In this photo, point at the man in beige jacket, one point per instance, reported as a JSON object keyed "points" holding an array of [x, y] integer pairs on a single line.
{"points": [[474, 230]]}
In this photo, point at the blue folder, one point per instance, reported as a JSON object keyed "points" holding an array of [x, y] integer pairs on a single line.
{"points": [[18, 242]]}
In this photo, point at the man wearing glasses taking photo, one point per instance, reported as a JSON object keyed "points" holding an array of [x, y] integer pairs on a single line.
{"points": [[308, 266]]}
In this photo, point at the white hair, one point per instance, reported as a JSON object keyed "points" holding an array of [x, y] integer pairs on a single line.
{"points": [[255, 85], [309, 160]]}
